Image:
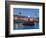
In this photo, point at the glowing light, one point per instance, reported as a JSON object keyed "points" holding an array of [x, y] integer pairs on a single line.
{"points": [[28, 16]]}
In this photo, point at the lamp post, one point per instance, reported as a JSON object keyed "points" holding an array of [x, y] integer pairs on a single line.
{"points": [[20, 24]]}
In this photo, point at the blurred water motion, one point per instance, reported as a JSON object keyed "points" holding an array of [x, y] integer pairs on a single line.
{"points": [[20, 26]]}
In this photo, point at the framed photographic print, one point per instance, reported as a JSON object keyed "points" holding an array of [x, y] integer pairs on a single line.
{"points": [[24, 18]]}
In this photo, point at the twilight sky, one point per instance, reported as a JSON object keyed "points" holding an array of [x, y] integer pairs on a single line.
{"points": [[26, 12]]}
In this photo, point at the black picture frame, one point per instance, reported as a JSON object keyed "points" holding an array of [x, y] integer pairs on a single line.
{"points": [[7, 14]]}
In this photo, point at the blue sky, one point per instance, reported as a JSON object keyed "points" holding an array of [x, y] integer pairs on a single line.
{"points": [[26, 11]]}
